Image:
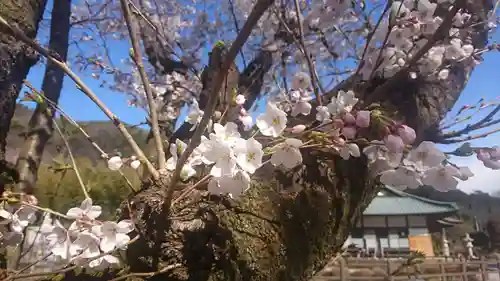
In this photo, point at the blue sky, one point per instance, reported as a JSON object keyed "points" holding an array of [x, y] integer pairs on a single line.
{"points": [[483, 83]]}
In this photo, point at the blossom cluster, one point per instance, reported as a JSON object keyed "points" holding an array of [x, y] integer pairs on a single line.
{"points": [[86, 241], [407, 30]]}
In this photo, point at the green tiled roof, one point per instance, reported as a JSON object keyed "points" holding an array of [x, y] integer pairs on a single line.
{"points": [[402, 203]]}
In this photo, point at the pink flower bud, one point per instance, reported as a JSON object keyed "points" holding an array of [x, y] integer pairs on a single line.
{"points": [[394, 143], [495, 152], [340, 141], [349, 118], [349, 132], [240, 99], [494, 165], [363, 119], [483, 155], [407, 134], [297, 129], [338, 123]]}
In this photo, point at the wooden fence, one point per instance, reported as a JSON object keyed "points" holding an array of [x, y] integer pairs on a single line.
{"points": [[431, 269]]}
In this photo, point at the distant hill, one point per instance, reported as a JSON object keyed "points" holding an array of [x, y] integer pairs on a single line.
{"points": [[478, 204], [104, 133]]}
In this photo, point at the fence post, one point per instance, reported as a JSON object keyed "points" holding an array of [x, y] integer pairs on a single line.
{"points": [[342, 269], [390, 270], [498, 265], [484, 274], [442, 272], [464, 270]]}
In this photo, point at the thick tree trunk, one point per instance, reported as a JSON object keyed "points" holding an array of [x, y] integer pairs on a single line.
{"points": [[40, 127], [272, 233], [15, 59]]}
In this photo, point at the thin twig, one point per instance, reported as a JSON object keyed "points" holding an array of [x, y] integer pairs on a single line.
{"points": [[72, 158], [237, 28], [17, 33], [137, 57], [468, 138], [191, 188], [148, 274], [474, 126], [310, 64], [68, 118]]}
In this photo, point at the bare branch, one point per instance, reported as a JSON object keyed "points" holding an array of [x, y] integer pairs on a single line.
{"points": [[72, 158], [137, 57], [310, 64], [478, 125], [148, 274]]}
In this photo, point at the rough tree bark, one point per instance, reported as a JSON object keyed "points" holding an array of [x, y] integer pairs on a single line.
{"points": [[15, 60], [40, 127]]}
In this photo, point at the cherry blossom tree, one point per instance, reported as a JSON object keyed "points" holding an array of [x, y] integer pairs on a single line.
{"points": [[238, 192]]}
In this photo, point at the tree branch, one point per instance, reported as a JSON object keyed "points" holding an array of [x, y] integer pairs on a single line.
{"points": [[153, 111], [260, 7]]}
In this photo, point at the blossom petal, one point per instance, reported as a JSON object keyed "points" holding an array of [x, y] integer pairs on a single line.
{"points": [[94, 212], [74, 213], [125, 226]]}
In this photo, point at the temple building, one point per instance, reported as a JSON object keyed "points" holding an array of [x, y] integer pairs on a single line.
{"points": [[396, 223]]}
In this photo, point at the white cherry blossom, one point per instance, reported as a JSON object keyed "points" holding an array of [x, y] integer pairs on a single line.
{"points": [[176, 151], [135, 164], [302, 106], [301, 81], [19, 219], [441, 177], [115, 163], [85, 246], [232, 185], [402, 177], [227, 133], [272, 122], [249, 155], [425, 156], [224, 158], [344, 102], [104, 262], [348, 150], [240, 99], [113, 235], [287, 153], [58, 239], [86, 210], [247, 121], [323, 114]]}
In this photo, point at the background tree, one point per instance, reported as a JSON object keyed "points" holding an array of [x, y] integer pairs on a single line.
{"points": [[40, 126], [16, 60]]}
